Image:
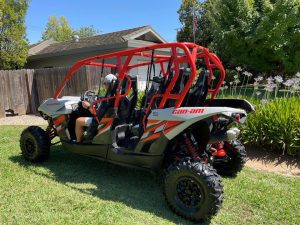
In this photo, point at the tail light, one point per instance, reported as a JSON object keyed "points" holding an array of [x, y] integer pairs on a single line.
{"points": [[236, 116]]}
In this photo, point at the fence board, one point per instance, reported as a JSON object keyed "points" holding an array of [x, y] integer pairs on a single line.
{"points": [[13, 92], [2, 94], [93, 75], [24, 90], [31, 91]]}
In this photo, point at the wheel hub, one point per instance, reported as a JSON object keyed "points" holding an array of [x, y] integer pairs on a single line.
{"points": [[189, 192], [30, 147]]}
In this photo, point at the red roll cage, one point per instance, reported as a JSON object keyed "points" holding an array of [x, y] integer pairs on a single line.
{"points": [[181, 53]]}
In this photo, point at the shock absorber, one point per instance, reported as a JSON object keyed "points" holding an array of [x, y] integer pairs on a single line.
{"points": [[191, 146], [51, 132]]}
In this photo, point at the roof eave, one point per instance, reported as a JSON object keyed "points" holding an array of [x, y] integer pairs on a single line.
{"points": [[142, 31], [80, 50]]}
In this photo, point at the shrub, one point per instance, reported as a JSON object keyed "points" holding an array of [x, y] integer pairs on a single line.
{"points": [[275, 125], [140, 97]]}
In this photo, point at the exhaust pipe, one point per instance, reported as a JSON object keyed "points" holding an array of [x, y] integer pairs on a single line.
{"points": [[229, 135]]}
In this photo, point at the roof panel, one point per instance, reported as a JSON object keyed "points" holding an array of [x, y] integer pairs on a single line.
{"points": [[98, 40]]}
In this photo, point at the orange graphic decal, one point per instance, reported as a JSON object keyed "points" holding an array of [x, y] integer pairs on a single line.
{"points": [[108, 122], [58, 120]]}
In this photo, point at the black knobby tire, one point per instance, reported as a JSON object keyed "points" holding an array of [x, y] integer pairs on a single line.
{"points": [[193, 189], [35, 144], [238, 157]]}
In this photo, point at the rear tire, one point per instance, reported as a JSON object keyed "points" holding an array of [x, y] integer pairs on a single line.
{"points": [[193, 189], [35, 144], [238, 157]]}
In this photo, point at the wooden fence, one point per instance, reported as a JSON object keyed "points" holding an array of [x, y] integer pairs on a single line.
{"points": [[22, 91]]}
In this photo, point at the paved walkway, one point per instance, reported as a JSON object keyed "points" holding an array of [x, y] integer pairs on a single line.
{"points": [[272, 162], [23, 120]]}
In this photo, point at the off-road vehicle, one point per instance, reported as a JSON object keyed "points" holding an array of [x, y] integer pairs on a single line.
{"points": [[179, 126]]}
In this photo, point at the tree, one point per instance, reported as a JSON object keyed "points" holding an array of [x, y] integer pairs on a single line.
{"points": [[13, 43], [261, 35], [87, 31], [203, 35], [60, 30]]}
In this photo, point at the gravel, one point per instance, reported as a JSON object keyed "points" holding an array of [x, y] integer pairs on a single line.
{"points": [[23, 120]]}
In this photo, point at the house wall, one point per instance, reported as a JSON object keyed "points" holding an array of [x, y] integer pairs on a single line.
{"points": [[70, 59], [141, 72]]}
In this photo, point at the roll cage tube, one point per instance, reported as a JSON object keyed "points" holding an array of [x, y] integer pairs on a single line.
{"points": [[189, 54], [93, 110]]}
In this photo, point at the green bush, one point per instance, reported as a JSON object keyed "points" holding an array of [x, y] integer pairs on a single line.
{"points": [[140, 96], [275, 125]]}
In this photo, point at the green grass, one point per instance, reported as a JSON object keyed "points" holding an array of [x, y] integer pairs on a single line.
{"points": [[72, 189]]}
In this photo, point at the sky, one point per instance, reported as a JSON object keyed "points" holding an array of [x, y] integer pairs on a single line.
{"points": [[106, 16]]}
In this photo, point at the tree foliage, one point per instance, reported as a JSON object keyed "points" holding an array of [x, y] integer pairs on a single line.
{"points": [[262, 35], [60, 30], [13, 43], [87, 31], [203, 34]]}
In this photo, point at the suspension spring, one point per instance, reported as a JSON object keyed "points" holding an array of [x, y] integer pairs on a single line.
{"points": [[51, 132], [190, 147]]}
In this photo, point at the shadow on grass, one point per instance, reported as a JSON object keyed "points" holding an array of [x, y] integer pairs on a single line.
{"points": [[257, 154], [137, 189]]}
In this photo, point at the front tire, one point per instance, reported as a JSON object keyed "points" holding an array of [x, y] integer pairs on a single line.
{"points": [[35, 144], [237, 153], [193, 189]]}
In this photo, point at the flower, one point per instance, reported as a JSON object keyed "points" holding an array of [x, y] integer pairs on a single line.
{"points": [[258, 93], [270, 80], [248, 74], [225, 87], [295, 80], [288, 83], [230, 82], [259, 78], [278, 79], [236, 81], [213, 77], [270, 87], [224, 82], [239, 69], [263, 101], [235, 76], [298, 74]]}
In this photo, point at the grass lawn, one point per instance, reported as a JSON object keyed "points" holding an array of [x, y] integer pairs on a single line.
{"points": [[72, 189]]}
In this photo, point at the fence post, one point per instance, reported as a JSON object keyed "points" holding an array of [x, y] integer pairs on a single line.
{"points": [[28, 93], [2, 107]]}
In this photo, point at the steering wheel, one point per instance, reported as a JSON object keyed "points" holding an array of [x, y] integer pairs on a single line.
{"points": [[89, 96]]}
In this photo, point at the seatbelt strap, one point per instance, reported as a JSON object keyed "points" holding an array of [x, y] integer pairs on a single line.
{"points": [[149, 70]]}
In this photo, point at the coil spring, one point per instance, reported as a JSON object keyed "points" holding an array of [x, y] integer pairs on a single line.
{"points": [[191, 149], [51, 132]]}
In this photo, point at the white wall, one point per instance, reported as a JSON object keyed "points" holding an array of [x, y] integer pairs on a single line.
{"points": [[141, 72]]}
